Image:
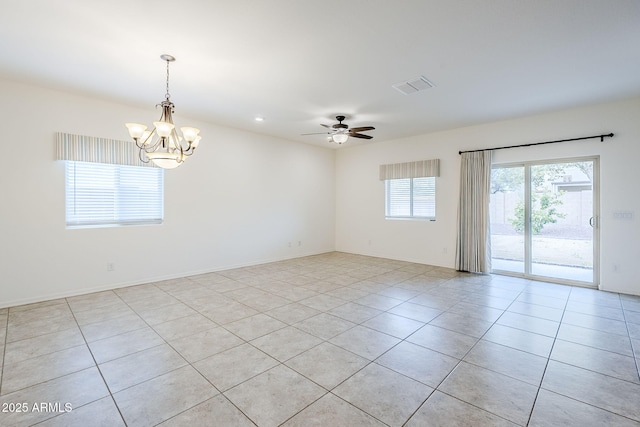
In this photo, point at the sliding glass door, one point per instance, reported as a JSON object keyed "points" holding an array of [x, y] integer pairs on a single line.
{"points": [[544, 219], [506, 212]]}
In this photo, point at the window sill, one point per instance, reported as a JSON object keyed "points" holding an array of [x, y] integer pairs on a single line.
{"points": [[409, 218], [111, 225]]}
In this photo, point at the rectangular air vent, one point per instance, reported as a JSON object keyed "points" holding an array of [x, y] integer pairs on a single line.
{"points": [[413, 85]]}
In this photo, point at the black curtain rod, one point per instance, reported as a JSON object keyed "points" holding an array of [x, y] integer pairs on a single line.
{"points": [[602, 137]]}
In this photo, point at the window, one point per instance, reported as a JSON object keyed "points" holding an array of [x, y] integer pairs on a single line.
{"points": [[411, 198], [99, 194]]}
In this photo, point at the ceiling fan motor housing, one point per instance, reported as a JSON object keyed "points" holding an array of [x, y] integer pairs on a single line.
{"points": [[340, 125]]}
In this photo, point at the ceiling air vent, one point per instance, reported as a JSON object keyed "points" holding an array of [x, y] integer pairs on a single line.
{"points": [[414, 85]]}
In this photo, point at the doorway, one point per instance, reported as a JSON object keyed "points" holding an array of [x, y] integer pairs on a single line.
{"points": [[544, 220]]}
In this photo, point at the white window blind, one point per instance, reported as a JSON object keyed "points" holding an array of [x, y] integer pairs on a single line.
{"points": [[411, 198], [99, 194]]}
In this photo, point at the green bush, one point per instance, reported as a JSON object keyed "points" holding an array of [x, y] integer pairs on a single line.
{"points": [[544, 212]]}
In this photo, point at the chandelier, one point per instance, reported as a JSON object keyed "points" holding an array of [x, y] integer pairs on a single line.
{"points": [[162, 145]]}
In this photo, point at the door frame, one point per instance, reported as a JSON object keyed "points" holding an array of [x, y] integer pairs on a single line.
{"points": [[528, 240]]}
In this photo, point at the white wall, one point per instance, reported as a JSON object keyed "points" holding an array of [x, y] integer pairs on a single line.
{"points": [[361, 227], [238, 201], [242, 197]]}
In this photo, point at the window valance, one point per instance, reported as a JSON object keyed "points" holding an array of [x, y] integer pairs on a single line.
{"points": [[419, 169], [83, 148]]}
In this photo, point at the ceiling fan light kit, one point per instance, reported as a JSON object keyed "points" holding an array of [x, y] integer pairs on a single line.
{"points": [[340, 138], [167, 150]]}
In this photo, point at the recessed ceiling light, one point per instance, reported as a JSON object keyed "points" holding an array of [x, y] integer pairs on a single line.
{"points": [[259, 119]]}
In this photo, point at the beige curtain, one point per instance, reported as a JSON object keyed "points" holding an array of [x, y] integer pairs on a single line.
{"points": [[473, 251]]}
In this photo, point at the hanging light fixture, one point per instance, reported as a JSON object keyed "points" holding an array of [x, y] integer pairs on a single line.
{"points": [[341, 136], [162, 145]]}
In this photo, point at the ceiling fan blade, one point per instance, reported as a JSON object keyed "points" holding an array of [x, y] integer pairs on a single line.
{"points": [[327, 126], [359, 135], [362, 129], [316, 133]]}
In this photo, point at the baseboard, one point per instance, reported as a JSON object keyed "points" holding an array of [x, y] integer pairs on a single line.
{"points": [[113, 286]]}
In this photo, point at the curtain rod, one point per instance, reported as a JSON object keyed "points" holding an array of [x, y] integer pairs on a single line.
{"points": [[602, 137]]}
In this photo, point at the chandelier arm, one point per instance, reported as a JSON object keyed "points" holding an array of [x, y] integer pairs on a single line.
{"points": [[167, 108], [181, 158], [152, 148], [148, 138], [176, 139], [142, 158]]}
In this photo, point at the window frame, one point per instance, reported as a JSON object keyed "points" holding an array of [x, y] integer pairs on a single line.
{"points": [[411, 196], [124, 194]]}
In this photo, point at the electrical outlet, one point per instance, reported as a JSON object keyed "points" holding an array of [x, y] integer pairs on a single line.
{"points": [[111, 266], [299, 242]]}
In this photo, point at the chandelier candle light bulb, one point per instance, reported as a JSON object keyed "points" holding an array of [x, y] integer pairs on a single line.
{"points": [[167, 149]]}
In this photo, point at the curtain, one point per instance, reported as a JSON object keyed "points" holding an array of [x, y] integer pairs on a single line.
{"points": [[473, 249], [82, 148]]}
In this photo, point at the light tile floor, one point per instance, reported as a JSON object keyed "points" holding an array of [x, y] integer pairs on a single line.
{"points": [[328, 340]]}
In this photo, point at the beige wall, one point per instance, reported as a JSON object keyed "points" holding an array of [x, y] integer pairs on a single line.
{"points": [[243, 197], [361, 227], [238, 201]]}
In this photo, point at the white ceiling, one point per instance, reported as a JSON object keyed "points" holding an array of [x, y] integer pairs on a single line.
{"points": [[299, 63]]}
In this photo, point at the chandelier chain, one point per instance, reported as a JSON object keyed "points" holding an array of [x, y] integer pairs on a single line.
{"points": [[167, 96]]}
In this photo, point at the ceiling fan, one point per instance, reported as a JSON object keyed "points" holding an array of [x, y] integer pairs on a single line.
{"points": [[340, 132]]}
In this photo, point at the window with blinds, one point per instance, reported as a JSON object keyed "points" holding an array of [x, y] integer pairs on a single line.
{"points": [[411, 198], [102, 195]]}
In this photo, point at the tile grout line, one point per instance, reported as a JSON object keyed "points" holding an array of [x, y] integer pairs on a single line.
{"points": [[405, 340], [462, 359], [86, 343], [579, 367], [166, 343], [635, 355], [544, 372], [220, 392], [327, 341], [436, 388], [395, 345], [283, 363], [325, 292], [188, 363], [370, 362], [4, 349]]}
